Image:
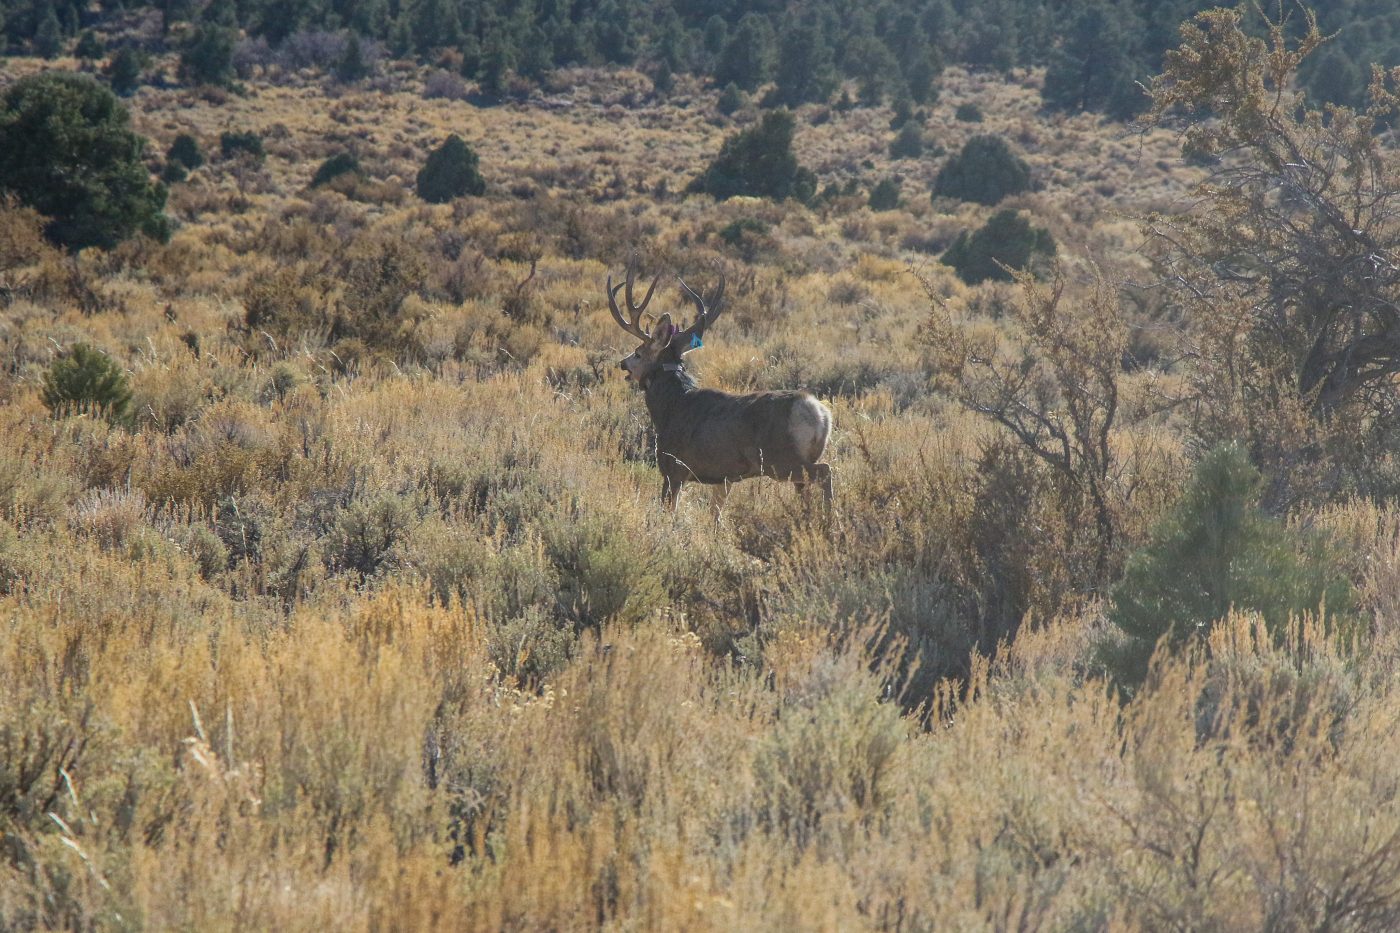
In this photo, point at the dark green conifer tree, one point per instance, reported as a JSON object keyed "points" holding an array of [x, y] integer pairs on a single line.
{"points": [[747, 58], [67, 150], [805, 71]]}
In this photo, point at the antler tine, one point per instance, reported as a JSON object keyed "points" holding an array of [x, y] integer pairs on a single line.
{"points": [[704, 316], [637, 309], [634, 327]]}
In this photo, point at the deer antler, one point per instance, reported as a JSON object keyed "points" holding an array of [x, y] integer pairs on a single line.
{"points": [[704, 316], [634, 326]]}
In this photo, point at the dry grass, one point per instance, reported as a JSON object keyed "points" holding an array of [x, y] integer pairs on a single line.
{"points": [[370, 619]]}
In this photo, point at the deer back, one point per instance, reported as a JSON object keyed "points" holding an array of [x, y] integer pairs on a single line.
{"points": [[711, 436]]}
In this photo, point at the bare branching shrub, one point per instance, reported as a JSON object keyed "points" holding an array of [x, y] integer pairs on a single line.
{"points": [[444, 85], [1285, 262], [1053, 386]]}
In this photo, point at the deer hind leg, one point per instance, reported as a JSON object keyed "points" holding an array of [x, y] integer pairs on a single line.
{"points": [[719, 492], [821, 475], [818, 474], [670, 493]]}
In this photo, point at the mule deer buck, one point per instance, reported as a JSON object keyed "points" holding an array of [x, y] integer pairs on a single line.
{"points": [[713, 437]]}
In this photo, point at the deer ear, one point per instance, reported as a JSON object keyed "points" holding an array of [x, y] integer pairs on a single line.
{"points": [[662, 333]]}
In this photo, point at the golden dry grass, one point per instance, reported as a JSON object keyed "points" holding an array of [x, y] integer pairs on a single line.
{"points": [[388, 632]]}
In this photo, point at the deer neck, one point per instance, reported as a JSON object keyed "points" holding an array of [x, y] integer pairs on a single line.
{"points": [[669, 386]]}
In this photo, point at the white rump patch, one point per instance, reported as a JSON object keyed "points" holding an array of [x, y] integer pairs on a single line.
{"points": [[810, 426]]}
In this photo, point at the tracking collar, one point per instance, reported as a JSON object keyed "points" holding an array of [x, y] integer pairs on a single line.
{"points": [[667, 368]]}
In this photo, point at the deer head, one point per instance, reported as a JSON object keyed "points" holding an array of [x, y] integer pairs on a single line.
{"points": [[664, 344]]}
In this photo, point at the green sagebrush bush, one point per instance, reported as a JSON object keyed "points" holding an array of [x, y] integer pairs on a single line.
{"points": [[87, 378], [1217, 550], [984, 171], [1006, 241], [452, 170]]}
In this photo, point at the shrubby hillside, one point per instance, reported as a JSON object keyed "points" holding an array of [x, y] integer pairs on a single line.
{"points": [[334, 587], [1096, 52]]}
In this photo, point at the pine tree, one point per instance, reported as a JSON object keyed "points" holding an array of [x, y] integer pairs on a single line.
{"points": [[497, 61], [1215, 551], [730, 99], [870, 62], [185, 150], [450, 172], [885, 195], [805, 69], [67, 150], [48, 38], [759, 162], [88, 47], [990, 37], [124, 70], [1006, 241], [1335, 79], [434, 25], [985, 171], [747, 59], [351, 66], [615, 34], [1092, 68], [208, 57]]}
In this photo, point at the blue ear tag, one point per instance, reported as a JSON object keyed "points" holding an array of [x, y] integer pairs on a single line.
{"points": [[695, 342]]}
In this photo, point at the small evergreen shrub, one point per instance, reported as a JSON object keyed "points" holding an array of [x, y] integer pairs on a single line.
{"points": [[88, 47], [909, 143], [249, 144], [730, 99], [185, 150], [750, 237], [985, 171], [450, 172], [342, 163], [968, 113], [885, 195], [83, 379], [1007, 239], [174, 173], [1215, 551], [903, 111], [48, 37], [124, 71], [758, 162]]}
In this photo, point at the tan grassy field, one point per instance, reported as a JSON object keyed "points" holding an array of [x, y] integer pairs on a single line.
{"points": [[388, 631]]}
